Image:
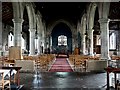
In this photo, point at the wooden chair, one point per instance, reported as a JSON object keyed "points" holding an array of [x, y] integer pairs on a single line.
{"points": [[4, 84], [118, 87]]}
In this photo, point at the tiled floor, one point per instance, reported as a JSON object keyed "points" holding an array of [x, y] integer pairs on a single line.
{"points": [[63, 81]]}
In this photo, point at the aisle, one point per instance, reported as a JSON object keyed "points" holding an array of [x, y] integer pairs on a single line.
{"points": [[61, 65]]}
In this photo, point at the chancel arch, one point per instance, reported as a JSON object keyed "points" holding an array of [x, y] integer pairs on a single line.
{"points": [[69, 24], [61, 29]]}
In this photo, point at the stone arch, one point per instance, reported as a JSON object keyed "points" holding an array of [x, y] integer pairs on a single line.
{"points": [[61, 29], [40, 32], [39, 22], [69, 24], [83, 24], [90, 25], [91, 15], [103, 9], [31, 15], [44, 34], [32, 26]]}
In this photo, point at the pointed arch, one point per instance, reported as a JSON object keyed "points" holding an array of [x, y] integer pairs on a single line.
{"points": [[39, 23], [69, 24], [83, 24], [91, 15], [31, 15]]}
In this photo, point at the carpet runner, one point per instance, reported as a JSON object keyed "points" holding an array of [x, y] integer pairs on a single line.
{"points": [[61, 65]]}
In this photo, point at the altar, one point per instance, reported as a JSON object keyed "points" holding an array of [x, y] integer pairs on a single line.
{"points": [[62, 49]]}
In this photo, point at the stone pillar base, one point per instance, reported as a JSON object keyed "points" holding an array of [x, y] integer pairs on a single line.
{"points": [[118, 53], [15, 53]]}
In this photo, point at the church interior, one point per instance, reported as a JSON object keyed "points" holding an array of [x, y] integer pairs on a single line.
{"points": [[59, 45]]}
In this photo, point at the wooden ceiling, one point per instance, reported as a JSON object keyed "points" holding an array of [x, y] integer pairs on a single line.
{"points": [[7, 13], [50, 11], [69, 10], [114, 10]]}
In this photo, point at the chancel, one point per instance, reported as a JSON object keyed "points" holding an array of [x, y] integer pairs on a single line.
{"points": [[60, 45]]}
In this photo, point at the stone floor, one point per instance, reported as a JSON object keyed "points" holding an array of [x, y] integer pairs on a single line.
{"points": [[63, 81]]}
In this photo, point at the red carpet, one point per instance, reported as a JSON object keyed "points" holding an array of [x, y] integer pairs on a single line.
{"points": [[61, 65]]}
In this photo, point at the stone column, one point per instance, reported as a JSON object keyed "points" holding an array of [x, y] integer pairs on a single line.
{"points": [[104, 38], [32, 41], [51, 44], [48, 44], [17, 31], [73, 45], [0, 38], [47, 41], [25, 44], [5, 39], [42, 44], [44, 40], [1, 29], [1, 35], [75, 41], [91, 41], [118, 42], [39, 42], [83, 44], [87, 44]]}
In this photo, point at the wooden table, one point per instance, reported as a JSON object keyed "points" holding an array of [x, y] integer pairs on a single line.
{"points": [[112, 70], [6, 72], [9, 64], [17, 74]]}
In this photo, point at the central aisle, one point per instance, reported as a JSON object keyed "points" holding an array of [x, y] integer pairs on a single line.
{"points": [[61, 65]]}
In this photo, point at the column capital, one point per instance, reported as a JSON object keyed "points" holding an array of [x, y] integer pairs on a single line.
{"points": [[91, 30], [39, 34], [32, 30], [83, 34], [19, 20], [104, 20]]}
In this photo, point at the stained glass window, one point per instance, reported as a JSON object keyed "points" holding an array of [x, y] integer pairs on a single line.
{"points": [[62, 40]]}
